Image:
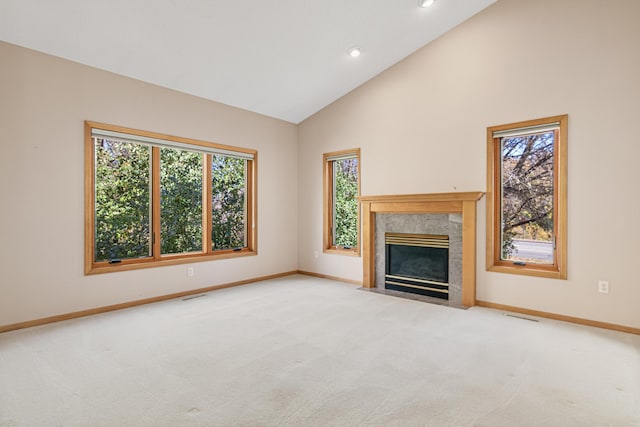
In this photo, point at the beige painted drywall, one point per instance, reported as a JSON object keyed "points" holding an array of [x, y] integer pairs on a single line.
{"points": [[421, 126], [43, 104]]}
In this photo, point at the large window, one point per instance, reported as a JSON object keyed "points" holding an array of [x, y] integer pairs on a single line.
{"points": [[341, 207], [153, 199], [527, 197]]}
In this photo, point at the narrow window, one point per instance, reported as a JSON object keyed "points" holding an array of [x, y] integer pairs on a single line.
{"points": [[153, 199], [122, 228], [180, 201], [526, 203], [341, 206], [228, 213]]}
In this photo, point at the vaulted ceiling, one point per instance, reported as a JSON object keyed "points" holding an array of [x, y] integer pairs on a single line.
{"points": [[286, 59]]}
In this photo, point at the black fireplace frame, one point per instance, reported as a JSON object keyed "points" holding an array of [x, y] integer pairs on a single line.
{"points": [[427, 286]]}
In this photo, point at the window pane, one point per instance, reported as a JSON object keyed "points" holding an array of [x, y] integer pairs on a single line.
{"points": [[527, 198], [345, 202], [228, 190], [122, 200], [180, 201]]}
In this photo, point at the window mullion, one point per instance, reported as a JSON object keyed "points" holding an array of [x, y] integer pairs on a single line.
{"points": [[333, 203], [556, 199], [89, 201], [155, 202], [248, 204], [206, 204], [331, 211], [497, 191]]}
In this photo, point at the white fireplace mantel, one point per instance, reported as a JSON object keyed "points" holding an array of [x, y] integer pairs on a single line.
{"points": [[464, 203]]}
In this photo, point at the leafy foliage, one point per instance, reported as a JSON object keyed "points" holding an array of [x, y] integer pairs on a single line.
{"points": [[228, 202], [180, 201], [122, 210], [123, 201], [346, 202], [527, 189]]}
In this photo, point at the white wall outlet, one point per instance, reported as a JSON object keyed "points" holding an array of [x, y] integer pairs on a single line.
{"points": [[315, 254], [603, 286], [190, 272]]}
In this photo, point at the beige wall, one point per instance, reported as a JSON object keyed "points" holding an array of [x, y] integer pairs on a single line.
{"points": [[43, 104], [421, 126]]}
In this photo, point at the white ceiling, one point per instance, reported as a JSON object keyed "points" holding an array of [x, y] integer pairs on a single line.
{"points": [[282, 58]]}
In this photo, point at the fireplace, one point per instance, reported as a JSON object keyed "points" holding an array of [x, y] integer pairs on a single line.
{"points": [[393, 213], [417, 263], [428, 235]]}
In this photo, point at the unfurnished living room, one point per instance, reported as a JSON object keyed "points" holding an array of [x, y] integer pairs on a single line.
{"points": [[292, 213]]}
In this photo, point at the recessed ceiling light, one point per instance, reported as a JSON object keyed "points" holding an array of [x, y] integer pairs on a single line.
{"points": [[425, 3], [355, 51]]}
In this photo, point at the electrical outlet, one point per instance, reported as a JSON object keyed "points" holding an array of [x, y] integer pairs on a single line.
{"points": [[190, 271], [603, 286], [315, 254]]}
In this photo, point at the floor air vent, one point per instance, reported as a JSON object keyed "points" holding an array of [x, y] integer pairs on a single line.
{"points": [[193, 296], [521, 317]]}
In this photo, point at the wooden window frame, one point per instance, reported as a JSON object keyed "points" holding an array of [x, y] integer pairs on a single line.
{"points": [[157, 259], [557, 270], [327, 191]]}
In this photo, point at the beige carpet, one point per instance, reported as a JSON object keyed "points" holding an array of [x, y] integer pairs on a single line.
{"points": [[301, 351]]}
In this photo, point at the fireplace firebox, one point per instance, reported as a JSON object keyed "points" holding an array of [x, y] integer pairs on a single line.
{"points": [[417, 263]]}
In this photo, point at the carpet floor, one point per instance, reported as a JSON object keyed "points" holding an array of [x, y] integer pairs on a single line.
{"points": [[302, 351]]}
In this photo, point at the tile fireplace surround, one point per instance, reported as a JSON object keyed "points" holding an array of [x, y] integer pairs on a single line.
{"points": [[437, 203], [423, 224]]}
